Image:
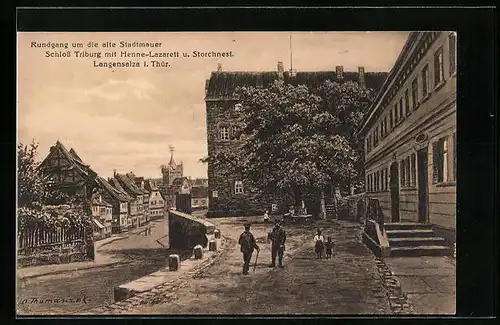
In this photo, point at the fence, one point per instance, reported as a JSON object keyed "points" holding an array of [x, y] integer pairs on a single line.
{"points": [[40, 239]]}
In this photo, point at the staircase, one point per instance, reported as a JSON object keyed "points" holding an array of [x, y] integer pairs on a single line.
{"points": [[415, 239], [330, 211]]}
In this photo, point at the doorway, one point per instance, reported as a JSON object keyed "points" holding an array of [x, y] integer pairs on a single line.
{"points": [[394, 192], [423, 186]]}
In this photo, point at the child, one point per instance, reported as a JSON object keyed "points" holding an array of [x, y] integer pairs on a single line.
{"points": [[319, 246], [329, 247]]}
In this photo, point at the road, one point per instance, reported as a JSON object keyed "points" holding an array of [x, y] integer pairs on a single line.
{"points": [[141, 254], [349, 283]]}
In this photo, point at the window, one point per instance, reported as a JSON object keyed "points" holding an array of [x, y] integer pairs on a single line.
{"points": [[385, 125], [413, 170], [453, 50], [238, 187], [234, 133], [237, 107], [377, 181], [438, 67], [382, 131], [407, 103], [414, 93], [402, 172], [401, 114], [224, 134], [407, 171], [375, 137], [396, 119], [391, 121], [440, 161], [386, 179], [368, 144], [425, 81], [215, 194]]}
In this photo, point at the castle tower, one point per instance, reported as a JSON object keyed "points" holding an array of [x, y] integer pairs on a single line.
{"points": [[172, 170]]}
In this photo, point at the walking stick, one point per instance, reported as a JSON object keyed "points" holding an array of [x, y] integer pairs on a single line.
{"points": [[256, 258]]}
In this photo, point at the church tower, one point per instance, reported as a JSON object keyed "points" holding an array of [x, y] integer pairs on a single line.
{"points": [[172, 170]]}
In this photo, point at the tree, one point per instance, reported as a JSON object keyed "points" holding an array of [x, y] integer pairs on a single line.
{"points": [[297, 140], [34, 188]]}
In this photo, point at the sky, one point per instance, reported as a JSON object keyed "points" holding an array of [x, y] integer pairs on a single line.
{"points": [[125, 119]]}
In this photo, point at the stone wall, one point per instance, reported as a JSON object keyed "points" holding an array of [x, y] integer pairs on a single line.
{"points": [[220, 178], [186, 231]]}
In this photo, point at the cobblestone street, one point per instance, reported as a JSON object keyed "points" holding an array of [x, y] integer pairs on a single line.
{"points": [[349, 283]]}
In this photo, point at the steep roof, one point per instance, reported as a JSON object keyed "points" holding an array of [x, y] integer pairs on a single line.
{"points": [[95, 201], [179, 181], [150, 185], [74, 154], [73, 159], [199, 192], [222, 85], [113, 191], [199, 181], [128, 185]]}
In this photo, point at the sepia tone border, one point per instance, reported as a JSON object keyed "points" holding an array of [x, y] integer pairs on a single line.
{"points": [[477, 169]]}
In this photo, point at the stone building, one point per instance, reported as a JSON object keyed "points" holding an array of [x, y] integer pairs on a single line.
{"points": [[172, 170], [229, 195], [410, 135], [102, 211]]}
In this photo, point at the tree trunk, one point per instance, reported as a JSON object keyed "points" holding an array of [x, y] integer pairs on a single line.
{"points": [[323, 206]]}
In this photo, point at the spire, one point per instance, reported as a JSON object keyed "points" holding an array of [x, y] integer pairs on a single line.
{"points": [[172, 160]]}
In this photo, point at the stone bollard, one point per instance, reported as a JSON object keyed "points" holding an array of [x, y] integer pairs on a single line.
{"points": [[198, 252], [217, 233], [174, 262], [212, 246]]}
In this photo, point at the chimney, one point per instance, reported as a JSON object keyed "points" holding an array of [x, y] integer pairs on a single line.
{"points": [[281, 70], [206, 85], [219, 67], [340, 72], [361, 76], [114, 172]]}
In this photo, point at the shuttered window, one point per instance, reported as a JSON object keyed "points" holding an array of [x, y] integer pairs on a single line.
{"points": [[407, 103], [414, 93], [402, 172], [413, 169], [440, 161], [401, 112], [425, 81], [391, 121], [407, 171]]}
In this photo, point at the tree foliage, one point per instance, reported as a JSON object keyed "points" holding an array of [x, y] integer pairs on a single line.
{"points": [[35, 193], [296, 139]]}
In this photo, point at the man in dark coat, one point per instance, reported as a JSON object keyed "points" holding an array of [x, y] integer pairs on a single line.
{"points": [[278, 238], [248, 244]]}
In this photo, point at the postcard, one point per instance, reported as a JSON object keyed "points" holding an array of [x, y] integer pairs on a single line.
{"points": [[216, 173]]}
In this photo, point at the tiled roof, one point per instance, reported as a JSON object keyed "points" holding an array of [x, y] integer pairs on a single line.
{"points": [[222, 85], [199, 192], [150, 185], [74, 154], [116, 193], [128, 185], [75, 163], [179, 181]]}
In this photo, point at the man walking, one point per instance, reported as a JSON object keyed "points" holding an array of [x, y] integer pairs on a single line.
{"points": [[278, 238], [248, 244]]}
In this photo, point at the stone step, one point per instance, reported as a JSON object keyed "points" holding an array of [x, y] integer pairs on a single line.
{"points": [[416, 241], [421, 251], [406, 225], [410, 233]]}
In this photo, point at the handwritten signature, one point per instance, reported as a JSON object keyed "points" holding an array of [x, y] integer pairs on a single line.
{"points": [[37, 300]]}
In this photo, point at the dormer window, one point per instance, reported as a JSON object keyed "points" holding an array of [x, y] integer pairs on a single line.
{"points": [[237, 107]]}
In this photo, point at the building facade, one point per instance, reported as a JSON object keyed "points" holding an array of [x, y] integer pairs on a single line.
{"points": [[68, 173], [102, 211], [229, 195], [172, 170], [199, 197], [119, 202], [410, 135], [157, 203]]}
